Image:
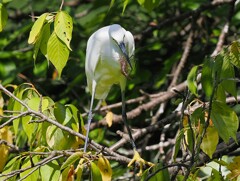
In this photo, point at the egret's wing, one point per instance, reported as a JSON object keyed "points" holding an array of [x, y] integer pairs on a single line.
{"points": [[130, 43], [92, 55]]}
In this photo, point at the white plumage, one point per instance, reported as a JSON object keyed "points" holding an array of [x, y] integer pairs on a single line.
{"points": [[107, 63]]}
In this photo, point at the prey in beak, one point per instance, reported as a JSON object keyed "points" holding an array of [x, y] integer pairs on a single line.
{"points": [[124, 61]]}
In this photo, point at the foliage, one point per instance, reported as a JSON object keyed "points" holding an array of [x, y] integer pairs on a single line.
{"points": [[186, 121]]}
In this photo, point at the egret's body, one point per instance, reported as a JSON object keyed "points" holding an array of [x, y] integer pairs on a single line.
{"points": [[107, 60]]}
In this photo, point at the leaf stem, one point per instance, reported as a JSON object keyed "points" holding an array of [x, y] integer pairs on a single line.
{"points": [[61, 5]]}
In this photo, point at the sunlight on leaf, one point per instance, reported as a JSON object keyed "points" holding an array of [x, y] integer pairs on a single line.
{"points": [[234, 167], [6, 135], [210, 141], [109, 118], [63, 27], [191, 80], [105, 168], [95, 173], [57, 52], [3, 16], [27, 163], [71, 159], [36, 28]]}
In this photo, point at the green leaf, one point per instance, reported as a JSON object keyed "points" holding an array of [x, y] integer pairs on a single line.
{"points": [[95, 173], [215, 175], [63, 27], [210, 141], [125, 3], [3, 16], [178, 143], [234, 54], [220, 94], [12, 165], [207, 78], [27, 163], [57, 52], [36, 29], [60, 112], [227, 76], [149, 4], [29, 128], [58, 139], [50, 171], [44, 41], [77, 118], [111, 4], [79, 171], [156, 173], [64, 174], [225, 120], [191, 80], [41, 42], [70, 160]]}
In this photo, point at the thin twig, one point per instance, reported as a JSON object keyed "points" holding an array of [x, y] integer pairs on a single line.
{"points": [[61, 5]]}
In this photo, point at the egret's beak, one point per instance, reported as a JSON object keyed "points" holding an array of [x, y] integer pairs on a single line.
{"points": [[124, 51]]}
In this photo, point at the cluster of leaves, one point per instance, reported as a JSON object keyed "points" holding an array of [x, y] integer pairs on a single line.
{"points": [[56, 46], [41, 137], [204, 125]]}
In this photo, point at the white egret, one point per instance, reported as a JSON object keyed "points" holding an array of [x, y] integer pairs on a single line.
{"points": [[107, 62]]}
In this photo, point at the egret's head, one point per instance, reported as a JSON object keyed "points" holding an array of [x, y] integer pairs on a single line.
{"points": [[117, 33]]}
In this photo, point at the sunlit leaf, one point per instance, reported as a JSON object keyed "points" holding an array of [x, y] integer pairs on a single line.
{"points": [[79, 171], [227, 76], [105, 168], [210, 141], [3, 16], [234, 54], [225, 120], [57, 52], [12, 165], [6, 135], [125, 3], [109, 118], [149, 4], [191, 80], [111, 4], [234, 167], [36, 28], [28, 163], [50, 171], [71, 159], [207, 78], [44, 39], [95, 173], [58, 139], [63, 27]]}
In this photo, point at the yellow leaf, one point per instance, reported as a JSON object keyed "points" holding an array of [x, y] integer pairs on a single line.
{"points": [[185, 121], [109, 118], [5, 134], [210, 141], [234, 167], [1, 104], [105, 168]]}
